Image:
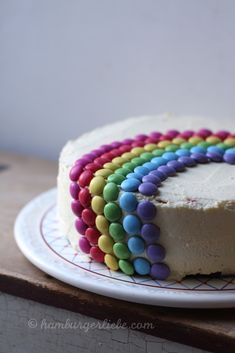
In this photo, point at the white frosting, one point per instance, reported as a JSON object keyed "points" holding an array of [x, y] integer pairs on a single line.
{"points": [[196, 208]]}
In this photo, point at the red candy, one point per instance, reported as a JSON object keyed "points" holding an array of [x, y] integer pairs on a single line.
{"points": [[92, 235], [97, 254], [85, 197], [124, 148], [115, 153], [100, 161], [85, 178], [88, 216], [92, 167]]}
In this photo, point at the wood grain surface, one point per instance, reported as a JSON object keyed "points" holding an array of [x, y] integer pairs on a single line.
{"points": [[21, 179]]}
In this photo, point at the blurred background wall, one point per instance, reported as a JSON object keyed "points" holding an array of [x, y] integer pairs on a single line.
{"points": [[67, 66]]}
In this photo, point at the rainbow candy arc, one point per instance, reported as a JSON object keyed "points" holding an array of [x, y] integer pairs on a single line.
{"points": [[116, 227]]}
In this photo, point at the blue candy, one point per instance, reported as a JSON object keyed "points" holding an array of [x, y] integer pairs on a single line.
{"points": [[170, 156], [150, 166], [141, 265], [141, 170], [128, 202], [159, 161], [136, 245], [198, 149], [130, 184], [215, 149], [182, 152], [134, 175], [131, 224], [230, 150]]}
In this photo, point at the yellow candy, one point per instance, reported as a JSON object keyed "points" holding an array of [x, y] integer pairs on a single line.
{"points": [[97, 204], [111, 262], [105, 243], [128, 155], [104, 172], [119, 160], [137, 150], [230, 141], [102, 224], [195, 140], [150, 147], [96, 185], [178, 140], [163, 144], [111, 166], [213, 140]]}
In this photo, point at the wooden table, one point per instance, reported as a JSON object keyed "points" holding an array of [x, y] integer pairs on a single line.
{"points": [[21, 179]]}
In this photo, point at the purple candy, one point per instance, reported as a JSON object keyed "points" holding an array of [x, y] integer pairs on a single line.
{"points": [[96, 152], [147, 189], [215, 157], [88, 156], [200, 157], [116, 144], [178, 166], [106, 148], [75, 172], [162, 176], [169, 171], [84, 245], [156, 252], [155, 134], [77, 208], [172, 133], [150, 232], [146, 210], [80, 226], [74, 190], [82, 161], [229, 158], [150, 178], [188, 161], [127, 141], [160, 271], [141, 137]]}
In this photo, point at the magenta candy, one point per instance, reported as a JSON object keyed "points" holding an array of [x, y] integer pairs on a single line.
{"points": [[83, 161], [116, 144], [146, 210], [155, 134], [222, 134], [80, 226], [107, 148], [204, 133], [96, 152], [84, 245], [141, 137], [74, 190], [127, 141], [148, 189], [187, 134], [77, 208], [173, 133], [88, 156], [75, 172]]}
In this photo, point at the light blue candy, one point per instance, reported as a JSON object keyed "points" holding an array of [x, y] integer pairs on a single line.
{"points": [[136, 245], [141, 170], [128, 201], [130, 184], [198, 149], [141, 265], [170, 156], [215, 149], [182, 152], [131, 224], [158, 161], [230, 150], [134, 175], [150, 166]]}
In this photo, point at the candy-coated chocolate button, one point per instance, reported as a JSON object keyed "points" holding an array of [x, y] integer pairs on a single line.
{"points": [[110, 166], [128, 201], [122, 171], [112, 211], [187, 161], [128, 156], [85, 197], [126, 267], [137, 150], [119, 160], [130, 184], [195, 140], [150, 232], [97, 185], [117, 231], [84, 245], [97, 254], [97, 204], [172, 148], [85, 178], [131, 224], [74, 190], [116, 178], [137, 161], [146, 210], [129, 165], [158, 152], [141, 170], [160, 271], [177, 165], [92, 235], [229, 141], [104, 172], [121, 251], [150, 147], [141, 266], [156, 252], [148, 189], [147, 156], [81, 226], [200, 157], [136, 245], [169, 156], [213, 139], [105, 243], [163, 144], [102, 224], [198, 149], [88, 216], [229, 158], [77, 208], [111, 262], [111, 192], [75, 172]]}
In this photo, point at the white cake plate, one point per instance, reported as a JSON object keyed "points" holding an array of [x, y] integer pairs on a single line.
{"points": [[37, 235]]}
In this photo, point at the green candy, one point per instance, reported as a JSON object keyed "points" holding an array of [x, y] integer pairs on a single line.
{"points": [[116, 178], [158, 152], [204, 144], [129, 165], [122, 171], [147, 156], [111, 192], [117, 231], [172, 148], [187, 145], [121, 251], [112, 212], [138, 161], [126, 267], [223, 145]]}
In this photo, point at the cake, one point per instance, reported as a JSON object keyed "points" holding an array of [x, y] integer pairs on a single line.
{"points": [[153, 195]]}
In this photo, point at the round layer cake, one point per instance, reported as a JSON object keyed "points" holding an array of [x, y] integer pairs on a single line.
{"points": [[152, 196]]}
